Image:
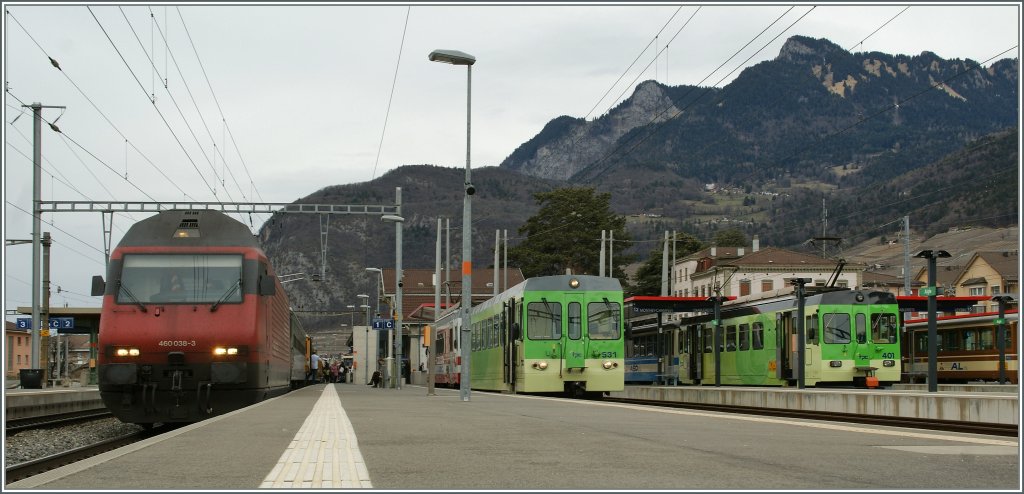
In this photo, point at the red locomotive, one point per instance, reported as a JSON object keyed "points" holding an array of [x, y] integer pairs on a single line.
{"points": [[195, 323]]}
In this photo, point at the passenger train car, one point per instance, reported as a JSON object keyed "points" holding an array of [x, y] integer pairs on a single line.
{"points": [[194, 321], [851, 338], [967, 348], [552, 334]]}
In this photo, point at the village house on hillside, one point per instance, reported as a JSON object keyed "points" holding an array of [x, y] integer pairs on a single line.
{"points": [[986, 274]]}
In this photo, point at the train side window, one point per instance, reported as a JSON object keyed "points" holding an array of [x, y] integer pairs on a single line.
{"points": [[575, 321], [862, 330], [544, 321], [730, 338], [969, 339], [986, 339], [951, 340], [758, 336], [744, 337], [837, 328], [708, 332]]}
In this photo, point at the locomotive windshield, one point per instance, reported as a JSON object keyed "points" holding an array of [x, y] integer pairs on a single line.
{"points": [[180, 278], [603, 320], [544, 320], [884, 328]]}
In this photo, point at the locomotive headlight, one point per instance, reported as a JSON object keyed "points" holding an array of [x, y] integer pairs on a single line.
{"points": [[225, 351], [574, 283], [835, 363], [542, 365], [127, 352], [607, 364], [888, 363]]}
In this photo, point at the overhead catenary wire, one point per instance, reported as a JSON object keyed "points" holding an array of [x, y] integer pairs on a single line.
{"points": [[64, 73], [394, 80], [661, 124], [162, 118], [861, 42], [104, 163], [181, 113]]}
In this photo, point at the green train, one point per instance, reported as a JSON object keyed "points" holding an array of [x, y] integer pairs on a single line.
{"points": [[552, 334], [851, 339]]}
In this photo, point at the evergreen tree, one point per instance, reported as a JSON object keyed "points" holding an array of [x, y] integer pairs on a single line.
{"points": [[566, 234], [732, 237]]}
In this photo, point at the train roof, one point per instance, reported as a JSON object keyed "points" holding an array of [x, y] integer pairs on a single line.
{"points": [[561, 282], [189, 228]]}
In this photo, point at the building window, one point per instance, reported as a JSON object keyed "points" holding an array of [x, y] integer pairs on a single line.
{"points": [[842, 284], [744, 287], [19, 341], [995, 290], [767, 285], [977, 291]]}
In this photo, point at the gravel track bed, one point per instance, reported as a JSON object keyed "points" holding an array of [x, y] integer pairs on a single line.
{"points": [[37, 443]]}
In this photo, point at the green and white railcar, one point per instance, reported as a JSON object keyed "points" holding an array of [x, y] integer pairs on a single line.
{"points": [[851, 338], [551, 334]]}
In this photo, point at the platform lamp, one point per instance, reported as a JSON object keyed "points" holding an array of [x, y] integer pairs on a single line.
{"points": [[1003, 300], [932, 256], [397, 220], [456, 57]]}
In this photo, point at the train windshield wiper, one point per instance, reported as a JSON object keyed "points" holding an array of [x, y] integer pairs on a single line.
{"points": [[131, 295], [226, 295]]}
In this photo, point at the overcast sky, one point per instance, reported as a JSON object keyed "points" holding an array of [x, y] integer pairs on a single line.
{"points": [[309, 96]]}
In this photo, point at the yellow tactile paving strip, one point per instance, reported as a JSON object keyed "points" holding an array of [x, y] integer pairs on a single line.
{"points": [[324, 453]]}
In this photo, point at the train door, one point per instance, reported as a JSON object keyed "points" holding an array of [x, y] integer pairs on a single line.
{"points": [[785, 345], [694, 352], [574, 353], [509, 338]]}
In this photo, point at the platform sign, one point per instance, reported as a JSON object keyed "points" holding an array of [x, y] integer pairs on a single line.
{"points": [[928, 291], [57, 323], [999, 320], [383, 324]]}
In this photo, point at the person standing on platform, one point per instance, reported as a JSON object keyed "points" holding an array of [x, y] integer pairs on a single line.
{"points": [[335, 372], [314, 368]]}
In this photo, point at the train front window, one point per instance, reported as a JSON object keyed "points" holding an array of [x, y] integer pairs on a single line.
{"points": [[837, 327], [544, 320], [884, 328], [181, 278], [575, 321], [603, 320]]}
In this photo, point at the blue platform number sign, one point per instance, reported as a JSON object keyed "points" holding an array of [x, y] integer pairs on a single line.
{"points": [[380, 324], [57, 323]]}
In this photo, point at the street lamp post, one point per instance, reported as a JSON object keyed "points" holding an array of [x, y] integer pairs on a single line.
{"points": [[366, 343], [456, 57], [932, 256], [398, 220], [380, 282]]}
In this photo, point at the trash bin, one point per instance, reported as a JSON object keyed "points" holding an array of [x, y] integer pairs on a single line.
{"points": [[31, 378]]}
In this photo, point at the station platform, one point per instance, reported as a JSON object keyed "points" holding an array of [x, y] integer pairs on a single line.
{"points": [[357, 436], [28, 403], [950, 402]]}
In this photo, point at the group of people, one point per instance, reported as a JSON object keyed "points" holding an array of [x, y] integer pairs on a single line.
{"points": [[320, 371]]}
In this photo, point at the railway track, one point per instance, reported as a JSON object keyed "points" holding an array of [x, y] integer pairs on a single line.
{"points": [[35, 467], [57, 420], [1008, 430]]}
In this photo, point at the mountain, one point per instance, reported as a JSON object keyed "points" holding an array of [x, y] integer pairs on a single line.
{"points": [[814, 107], [816, 142]]}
